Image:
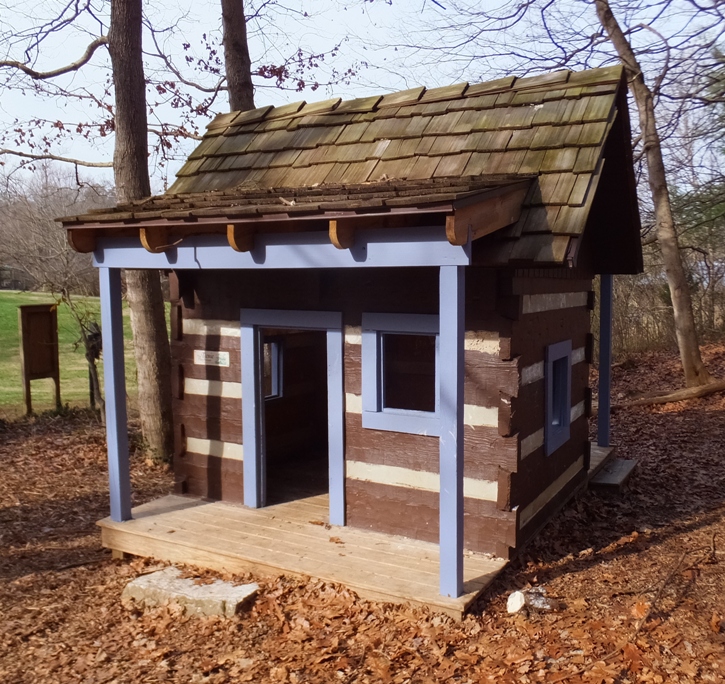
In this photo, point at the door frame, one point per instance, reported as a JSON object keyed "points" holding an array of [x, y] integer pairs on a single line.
{"points": [[253, 428]]}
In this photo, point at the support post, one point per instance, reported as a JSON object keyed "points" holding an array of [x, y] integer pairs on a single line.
{"points": [[336, 426], [451, 335], [606, 292], [252, 426], [119, 474]]}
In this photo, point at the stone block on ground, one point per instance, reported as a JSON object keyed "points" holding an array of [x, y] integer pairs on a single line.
{"points": [[534, 598], [168, 586], [615, 474]]}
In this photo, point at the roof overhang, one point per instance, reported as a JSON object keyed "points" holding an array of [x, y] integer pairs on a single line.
{"points": [[466, 216], [460, 157]]}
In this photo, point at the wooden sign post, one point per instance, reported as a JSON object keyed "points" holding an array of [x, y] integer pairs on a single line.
{"points": [[38, 325]]}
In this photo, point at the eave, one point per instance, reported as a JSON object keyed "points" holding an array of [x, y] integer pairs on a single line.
{"points": [[470, 216]]}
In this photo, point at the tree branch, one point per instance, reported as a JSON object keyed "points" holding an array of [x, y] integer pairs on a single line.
{"points": [[694, 248], [54, 157], [665, 68], [175, 71], [174, 132], [74, 66], [679, 395]]}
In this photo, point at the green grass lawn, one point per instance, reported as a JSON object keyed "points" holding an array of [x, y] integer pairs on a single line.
{"points": [[73, 366]]}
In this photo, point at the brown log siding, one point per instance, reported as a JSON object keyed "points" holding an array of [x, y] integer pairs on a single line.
{"points": [[492, 380]]}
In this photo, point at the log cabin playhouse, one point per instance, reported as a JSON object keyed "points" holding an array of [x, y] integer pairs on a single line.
{"points": [[386, 301]]}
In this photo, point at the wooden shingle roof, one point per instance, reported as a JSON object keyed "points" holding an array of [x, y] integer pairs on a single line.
{"points": [[415, 148]]}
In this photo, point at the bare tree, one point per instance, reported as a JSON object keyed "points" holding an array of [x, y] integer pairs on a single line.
{"points": [[185, 76], [130, 167], [128, 120], [675, 41], [30, 240], [237, 63], [687, 340]]}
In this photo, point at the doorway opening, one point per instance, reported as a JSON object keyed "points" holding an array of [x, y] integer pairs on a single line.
{"points": [[291, 453], [293, 378]]}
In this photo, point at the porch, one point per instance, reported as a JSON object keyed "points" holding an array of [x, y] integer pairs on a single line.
{"points": [[294, 538]]}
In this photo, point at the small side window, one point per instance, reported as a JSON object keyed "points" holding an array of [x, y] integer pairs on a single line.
{"points": [[558, 395], [272, 368]]}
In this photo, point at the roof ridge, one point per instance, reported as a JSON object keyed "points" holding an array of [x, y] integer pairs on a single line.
{"points": [[418, 94]]}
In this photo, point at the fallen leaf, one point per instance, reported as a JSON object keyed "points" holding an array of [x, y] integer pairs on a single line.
{"points": [[633, 656], [690, 668], [639, 609]]}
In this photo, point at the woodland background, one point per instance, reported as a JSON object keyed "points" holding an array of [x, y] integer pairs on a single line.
{"points": [[56, 132]]}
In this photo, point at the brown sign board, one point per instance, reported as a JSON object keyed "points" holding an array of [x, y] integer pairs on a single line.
{"points": [[38, 325]]}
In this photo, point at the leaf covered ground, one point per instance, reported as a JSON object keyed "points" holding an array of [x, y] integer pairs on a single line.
{"points": [[640, 577]]}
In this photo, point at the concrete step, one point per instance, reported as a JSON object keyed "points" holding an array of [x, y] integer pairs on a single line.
{"points": [[614, 474]]}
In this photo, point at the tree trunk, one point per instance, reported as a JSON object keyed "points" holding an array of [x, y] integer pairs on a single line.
{"points": [[153, 363], [695, 371], [130, 167], [130, 156], [237, 62]]}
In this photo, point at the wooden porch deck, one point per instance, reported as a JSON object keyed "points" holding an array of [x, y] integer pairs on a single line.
{"points": [[294, 539]]}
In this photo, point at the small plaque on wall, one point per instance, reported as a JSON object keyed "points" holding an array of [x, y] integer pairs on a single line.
{"points": [[211, 358]]}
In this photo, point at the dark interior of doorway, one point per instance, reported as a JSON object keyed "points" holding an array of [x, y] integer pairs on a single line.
{"points": [[294, 381]]}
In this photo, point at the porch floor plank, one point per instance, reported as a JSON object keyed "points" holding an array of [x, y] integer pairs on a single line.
{"points": [[289, 539], [303, 543]]}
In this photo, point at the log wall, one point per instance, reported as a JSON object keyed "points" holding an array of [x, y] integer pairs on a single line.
{"points": [[551, 306], [392, 478]]}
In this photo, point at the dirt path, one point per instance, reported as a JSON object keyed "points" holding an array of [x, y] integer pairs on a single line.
{"points": [[640, 576]]}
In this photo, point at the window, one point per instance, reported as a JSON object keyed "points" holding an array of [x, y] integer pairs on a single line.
{"points": [[400, 372], [408, 367], [557, 377], [272, 368]]}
